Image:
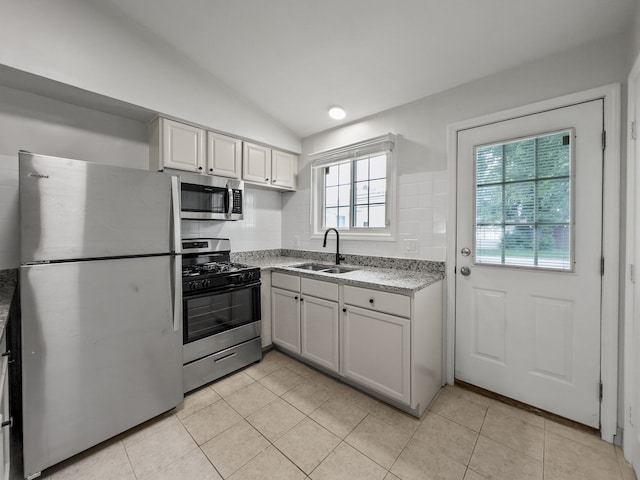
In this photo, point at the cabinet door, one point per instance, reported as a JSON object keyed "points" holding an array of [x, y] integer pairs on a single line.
{"points": [[4, 414], [256, 164], [319, 323], [283, 169], [376, 351], [285, 319], [265, 305], [182, 146], [224, 155]]}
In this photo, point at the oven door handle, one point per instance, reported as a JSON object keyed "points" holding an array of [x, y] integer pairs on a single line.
{"points": [[230, 288]]}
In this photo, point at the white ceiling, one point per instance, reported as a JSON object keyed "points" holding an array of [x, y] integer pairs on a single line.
{"points": [[295, 58]]}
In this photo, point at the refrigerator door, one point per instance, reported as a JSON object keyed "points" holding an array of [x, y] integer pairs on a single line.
{"points": [[71, 209], [101, 352]]}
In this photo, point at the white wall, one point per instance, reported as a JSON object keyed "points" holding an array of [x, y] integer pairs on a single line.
{"points": [[422, 152], [81, 43], [42, 125]]}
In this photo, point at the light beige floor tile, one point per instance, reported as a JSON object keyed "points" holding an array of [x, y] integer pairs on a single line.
{"points": [[447, 437], [345, 462], [378, 440], [154, 452], [361, 400], [269, 464], [460, 410], [193, 466], [338, 416], [416, 462], [250, 399], [234, 447], [307, 444], [391, 476], [269, 364], [625, 467], [396, 418], [232, 384], [282, 380], [471, 475], [498, 462], [148, 428], [196, 401], [300, 368], [585, 438], [211, 421], [307, 397], [275, 419], [574, 460], [518, 413], [515, 433], [107, 460]]}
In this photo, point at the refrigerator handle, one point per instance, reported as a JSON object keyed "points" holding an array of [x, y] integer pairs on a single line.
{"points": [[175, 214], [177, 292]]}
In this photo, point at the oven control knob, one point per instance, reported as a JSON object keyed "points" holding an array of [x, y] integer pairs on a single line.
{"points": [[193, 285], [249, 276], [243, 277], [206, 283]]}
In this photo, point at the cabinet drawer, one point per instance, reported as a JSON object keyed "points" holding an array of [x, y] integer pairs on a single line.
{"points": [[288, 282], [320, 289], [393, 303]]}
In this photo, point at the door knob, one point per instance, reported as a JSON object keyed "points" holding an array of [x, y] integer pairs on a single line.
{"points": [[465, 252], [466, 271]]}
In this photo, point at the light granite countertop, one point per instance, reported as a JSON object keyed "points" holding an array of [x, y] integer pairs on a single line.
{"points": [[8, 279], [398, 280]]}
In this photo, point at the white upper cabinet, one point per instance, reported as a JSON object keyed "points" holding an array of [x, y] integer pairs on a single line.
{"points": [[182, 146], [224, 155], [270, 168], [256, 164]]}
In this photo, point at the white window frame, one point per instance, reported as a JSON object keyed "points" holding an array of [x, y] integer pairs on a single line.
{"points": [[350, 153]]}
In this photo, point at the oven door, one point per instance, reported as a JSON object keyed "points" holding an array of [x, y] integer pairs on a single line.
{"points": [[213, 313]]}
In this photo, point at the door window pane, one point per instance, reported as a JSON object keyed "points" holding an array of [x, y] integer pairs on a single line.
{"points": [[524, 208]]}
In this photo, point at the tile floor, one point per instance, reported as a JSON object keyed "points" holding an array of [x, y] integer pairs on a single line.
{"points": [[281, 420]]}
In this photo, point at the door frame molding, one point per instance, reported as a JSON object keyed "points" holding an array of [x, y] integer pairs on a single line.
{"points": [[630, 384], [610, 94]]}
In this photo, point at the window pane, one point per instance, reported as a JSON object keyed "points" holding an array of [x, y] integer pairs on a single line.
{"points": [[554, 204], [518, 245], [489, 204], [554, 155], [331, 176], [331, 197], [489, 165], [331, 217], [489, 244], [377, 216], [377, 191], [362, 193], [343, 217], [378, 167], [519, 202], [361, 217], [520, 160], [554, 246], [344, 173], [344, 195], [362, 170]]}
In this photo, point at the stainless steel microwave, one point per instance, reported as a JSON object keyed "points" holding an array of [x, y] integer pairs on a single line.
{"points": [[205, 197]]}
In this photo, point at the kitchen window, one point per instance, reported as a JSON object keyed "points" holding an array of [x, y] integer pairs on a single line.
{"points": [[352, 188]]}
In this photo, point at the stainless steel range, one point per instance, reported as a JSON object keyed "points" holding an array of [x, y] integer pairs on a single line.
{"points": [[221, 311]]}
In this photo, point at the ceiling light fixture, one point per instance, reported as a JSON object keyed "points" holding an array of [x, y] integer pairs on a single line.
{"points": [[337, 113]]}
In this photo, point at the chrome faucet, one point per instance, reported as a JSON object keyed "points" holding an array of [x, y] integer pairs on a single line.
{"points": [[324, 244]]}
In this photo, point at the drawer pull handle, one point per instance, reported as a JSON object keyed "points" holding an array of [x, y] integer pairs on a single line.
{"points": [[7, 423], [301, 299], [371, 301], [295, 298], [344, 310], [226, 357]]}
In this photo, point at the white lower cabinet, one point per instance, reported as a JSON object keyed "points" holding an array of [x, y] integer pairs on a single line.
{"points": [[377, 351], [285, 318], [319, 333], [4, 413]]}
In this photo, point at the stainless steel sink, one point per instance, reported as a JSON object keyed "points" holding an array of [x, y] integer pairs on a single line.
{"points": [[319, 267]]}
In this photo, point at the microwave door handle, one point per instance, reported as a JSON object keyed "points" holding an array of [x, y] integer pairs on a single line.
{"points": [[229, 201]]}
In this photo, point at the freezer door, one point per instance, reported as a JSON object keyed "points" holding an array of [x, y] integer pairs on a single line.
{"points": [[71, 209], [101, 352]]}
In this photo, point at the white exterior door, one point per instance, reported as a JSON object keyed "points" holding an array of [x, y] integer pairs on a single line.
{"points": [[528, 260]]}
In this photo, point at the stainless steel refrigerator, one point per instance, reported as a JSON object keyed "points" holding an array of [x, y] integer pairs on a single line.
{"points": [[101, 303]]}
